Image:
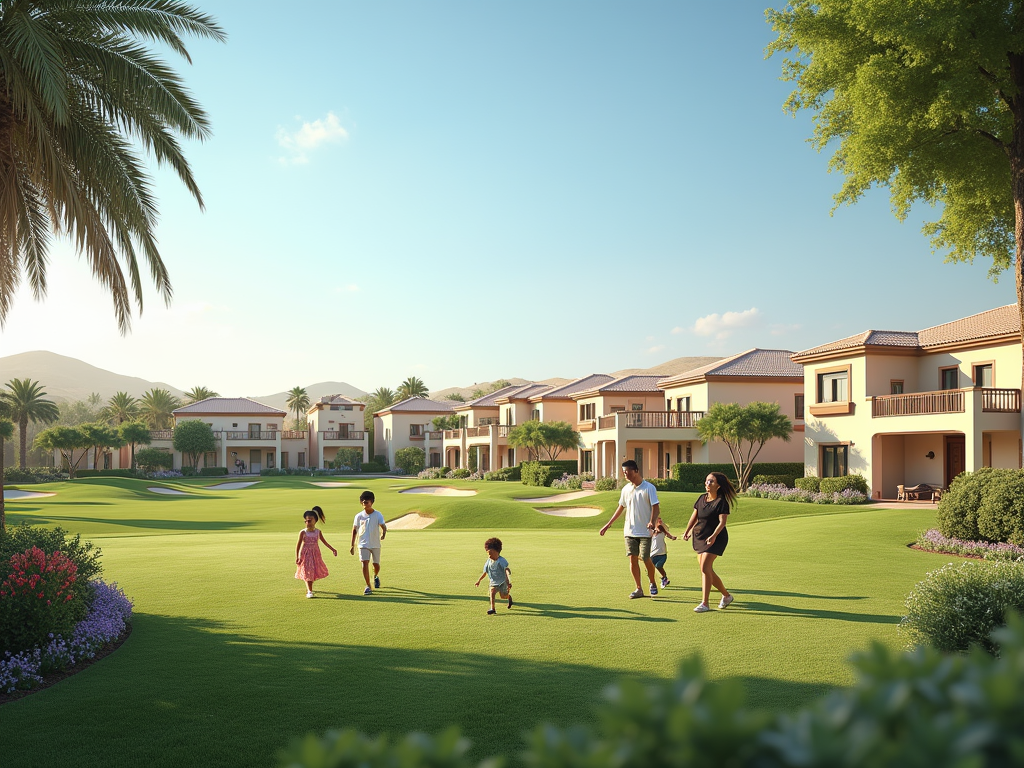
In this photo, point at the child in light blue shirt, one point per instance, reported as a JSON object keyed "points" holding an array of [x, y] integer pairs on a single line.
{"points": [[497, 572]]}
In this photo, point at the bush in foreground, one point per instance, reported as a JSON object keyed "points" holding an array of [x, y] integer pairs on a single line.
{"points": [[921, 708], [984, 505], [961, 603]]}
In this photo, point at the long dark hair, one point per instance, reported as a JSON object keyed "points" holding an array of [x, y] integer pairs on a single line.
{"points": [[315, 512], [725, 489]]}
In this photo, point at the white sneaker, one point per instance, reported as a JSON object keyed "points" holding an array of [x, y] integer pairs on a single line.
{"points": [[309, 594], [702, 608], [725, 601]]}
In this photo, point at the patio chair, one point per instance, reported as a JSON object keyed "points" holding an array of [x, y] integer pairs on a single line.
{"points": [[901, 493]]}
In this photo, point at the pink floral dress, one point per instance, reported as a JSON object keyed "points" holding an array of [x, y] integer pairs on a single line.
{"points": [[311, 562]]}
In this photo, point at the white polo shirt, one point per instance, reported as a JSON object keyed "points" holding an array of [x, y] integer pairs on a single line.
{"points": [[638, 501]]}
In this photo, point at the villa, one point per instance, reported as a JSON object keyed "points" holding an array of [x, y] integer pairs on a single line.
{"points": [[905, 408], [409, 423], [336, 422]]}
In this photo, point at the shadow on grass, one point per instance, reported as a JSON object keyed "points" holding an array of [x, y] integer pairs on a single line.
{"points": [[187, 692], [168, 525]]}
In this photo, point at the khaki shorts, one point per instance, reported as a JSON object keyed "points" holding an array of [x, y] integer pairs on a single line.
{"points": [[500, 589], [639, 546], [365, 554]]}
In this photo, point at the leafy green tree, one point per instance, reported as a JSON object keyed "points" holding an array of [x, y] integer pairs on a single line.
{"points": [[412, 387], [455, 396], [74, 413], [925, 98], [99, 436], [120, 408], [157, 408], [65, 440], [558, 436], [154, 458], [25, 401], [451, 421], [6, 433], [82, 95], [409, 460], [193, 438], [298, 402], [744, 430], [197, 394], [134, 433], [529, 436]]}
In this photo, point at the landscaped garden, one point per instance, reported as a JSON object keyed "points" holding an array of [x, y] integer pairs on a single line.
{"points": [[227, 663]]}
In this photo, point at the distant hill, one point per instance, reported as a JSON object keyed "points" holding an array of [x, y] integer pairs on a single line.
{"points": [[67, 378], [315, 392]]}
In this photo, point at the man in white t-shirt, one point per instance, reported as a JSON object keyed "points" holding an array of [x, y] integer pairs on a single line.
{"points": [[369, 526], [639, 499]]}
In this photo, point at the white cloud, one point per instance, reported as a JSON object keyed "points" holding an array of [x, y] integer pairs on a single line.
{"points": [[655, 349], [722, 326], [298, 144]]}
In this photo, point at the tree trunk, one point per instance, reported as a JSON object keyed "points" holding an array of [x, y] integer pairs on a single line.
{"points": [[22, 438], [3, 512], [1017, 182]]}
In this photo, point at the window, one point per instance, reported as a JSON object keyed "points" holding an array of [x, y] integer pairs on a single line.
{"points": [[346, 407], [587, 411], [636, 406], [270, 459], [335, 407], [668, 404], [949, 378], [301, 459], [270, 427], [415, 430], [689, 453], [284, 459], [896, 387], [587, 461], [798, 405], [254, 431], [683, 403], [679, 454], [210, 459], [833, 387], [535, 414], [618, 408], [834, 460], [638, 457], [983, 375]]}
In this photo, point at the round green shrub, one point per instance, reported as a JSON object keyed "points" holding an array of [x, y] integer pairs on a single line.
{"points": [[986, 505], [960, 604], [832, 485], [605, 484], [812, 484]]}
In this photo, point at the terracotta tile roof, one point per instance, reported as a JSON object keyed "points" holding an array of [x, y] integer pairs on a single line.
{"points": [[419, 405], [760, 363], [993, 323], [631, 383], [336, 400], [577, 385], [489, 400], [227, 405], [524, 392]]}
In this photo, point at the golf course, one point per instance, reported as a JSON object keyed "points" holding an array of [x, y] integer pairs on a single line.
{"points": [[228, 662]]}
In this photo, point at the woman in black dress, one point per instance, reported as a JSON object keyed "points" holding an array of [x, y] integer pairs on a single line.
{"points": [[707, 526]]}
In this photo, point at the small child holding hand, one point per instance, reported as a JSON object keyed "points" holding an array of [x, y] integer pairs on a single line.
{"points": [[659, 551]]}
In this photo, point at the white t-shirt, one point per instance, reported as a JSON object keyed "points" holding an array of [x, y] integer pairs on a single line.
{"points": [[638, 501], [369, 529], [658, 544]]}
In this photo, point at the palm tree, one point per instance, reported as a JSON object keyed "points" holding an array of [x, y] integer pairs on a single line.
{"points": [[384, 396], [6, 433], [412, 387], [80, 95], [156, 407], [120, 408], [297, 402], [196, 394], [26, 401]]}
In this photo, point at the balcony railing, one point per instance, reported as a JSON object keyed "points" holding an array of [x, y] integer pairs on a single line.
{"points": [[1000, 400], [652, 420], [247, 435], [294, 434], [161, 434], [349, 435], [503, 430], [436, 434], [452, 434], [918, 403], [587, 426], [606, 422]]}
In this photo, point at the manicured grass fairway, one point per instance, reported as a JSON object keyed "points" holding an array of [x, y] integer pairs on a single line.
{"points": [[228, 661]]}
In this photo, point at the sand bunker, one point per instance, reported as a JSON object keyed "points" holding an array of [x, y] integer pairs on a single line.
{"points": [[332, 485], [15, 495], [559, 497], [230, 486], [439, 490], [570, 511], [167, 491], [411, 522]]}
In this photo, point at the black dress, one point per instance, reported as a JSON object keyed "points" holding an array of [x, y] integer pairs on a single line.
{"points": [[707, 521]]}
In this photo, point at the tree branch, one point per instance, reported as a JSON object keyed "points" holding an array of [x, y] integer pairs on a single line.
{"points": [[1008, 101]]}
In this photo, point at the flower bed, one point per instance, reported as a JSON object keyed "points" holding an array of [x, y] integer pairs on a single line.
{"points": [[933, 541], [569, 482], [107, 619], [779, 492]]}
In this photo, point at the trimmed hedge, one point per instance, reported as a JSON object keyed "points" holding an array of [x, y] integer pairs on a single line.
{"points": [[786, 480], [808, 484], [606, 484], [105, 473], [543, 473], [33, 475], [839, 484], [374, 467], [506, 474], [664, 483], [691, 476]]}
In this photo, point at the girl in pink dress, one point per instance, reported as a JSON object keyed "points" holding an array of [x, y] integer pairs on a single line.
{"points": [[310, 562]]}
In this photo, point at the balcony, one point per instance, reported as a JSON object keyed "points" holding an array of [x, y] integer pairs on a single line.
{"points": [[437, 434], [651, 420], [294, 434], [589, 425], [452, 434], [349, 435], [161, 434], [251, 435], [992, 400]]}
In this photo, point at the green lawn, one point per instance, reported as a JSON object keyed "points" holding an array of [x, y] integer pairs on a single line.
{"points": [[228, 661]]}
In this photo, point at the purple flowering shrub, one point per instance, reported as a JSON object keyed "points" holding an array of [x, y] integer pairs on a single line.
{"points": [[778, 492], [934, 541], [108, 616], [569, 482]]}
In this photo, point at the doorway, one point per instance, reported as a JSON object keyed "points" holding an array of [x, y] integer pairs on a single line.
{"points": [[956, 452], [255, 464]]}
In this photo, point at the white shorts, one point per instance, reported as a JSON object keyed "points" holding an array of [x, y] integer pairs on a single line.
{"points": [[365, 554]]}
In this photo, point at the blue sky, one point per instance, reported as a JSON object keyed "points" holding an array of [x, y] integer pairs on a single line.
{"points": [[463, 191]]}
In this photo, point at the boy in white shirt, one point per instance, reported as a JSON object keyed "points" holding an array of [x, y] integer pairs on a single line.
{"points": [[369, 526]]}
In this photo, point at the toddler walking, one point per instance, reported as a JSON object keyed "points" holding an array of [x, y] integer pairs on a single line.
{"points": [[497, 571], [310, 562], [659, 551]]}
